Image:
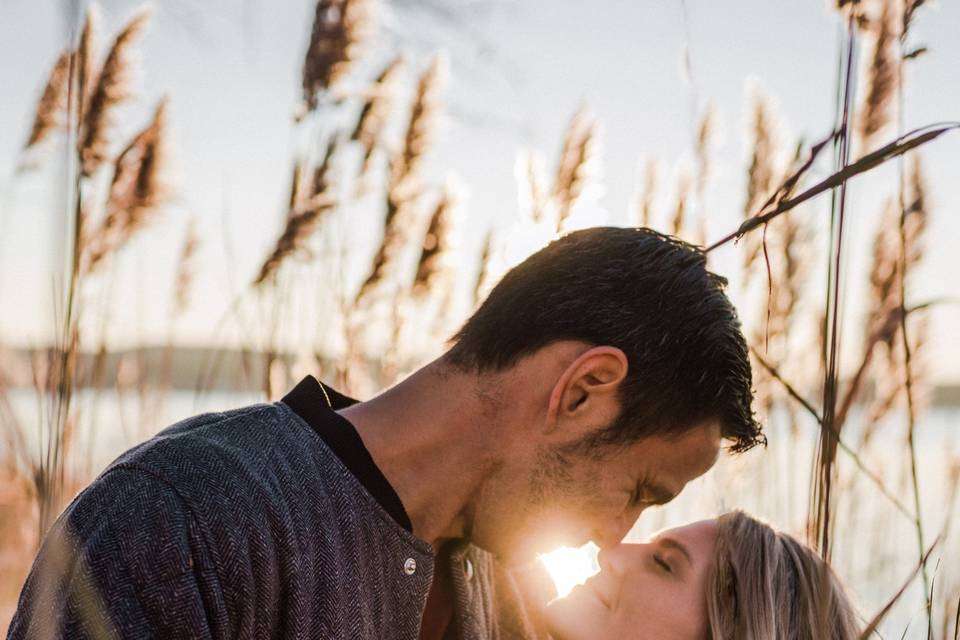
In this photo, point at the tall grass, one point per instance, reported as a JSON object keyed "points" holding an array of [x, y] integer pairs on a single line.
{"points": [[362, 146]]}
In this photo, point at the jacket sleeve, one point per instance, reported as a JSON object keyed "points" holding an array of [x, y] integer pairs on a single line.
{"points": [[120, 562]]}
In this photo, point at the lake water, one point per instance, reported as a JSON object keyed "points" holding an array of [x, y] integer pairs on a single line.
{"points": [[875, 545]]}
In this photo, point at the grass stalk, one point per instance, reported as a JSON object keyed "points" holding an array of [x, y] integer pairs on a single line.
{"points": [[908, 377], [854, 456], [821, 497]]}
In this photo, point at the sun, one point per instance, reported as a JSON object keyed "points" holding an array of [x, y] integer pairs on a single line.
{"points": [[569, 566]]}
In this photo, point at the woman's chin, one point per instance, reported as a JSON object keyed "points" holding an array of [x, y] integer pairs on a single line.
{"points": [[578, 616]]}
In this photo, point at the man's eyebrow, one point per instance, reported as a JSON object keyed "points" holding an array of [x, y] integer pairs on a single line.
{"points": [[655, 493], [671, 543]]}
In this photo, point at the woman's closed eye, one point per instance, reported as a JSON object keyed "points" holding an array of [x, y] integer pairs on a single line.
{"points": [[662, 563]]}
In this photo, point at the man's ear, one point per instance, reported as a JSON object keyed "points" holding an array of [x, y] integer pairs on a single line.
{"points": [[585, 395]]}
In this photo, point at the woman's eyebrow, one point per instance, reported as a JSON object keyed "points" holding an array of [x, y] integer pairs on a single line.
{"points": [[671, 543]]}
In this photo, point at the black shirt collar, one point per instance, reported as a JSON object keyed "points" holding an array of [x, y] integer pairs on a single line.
{"points": [[309, 401]]}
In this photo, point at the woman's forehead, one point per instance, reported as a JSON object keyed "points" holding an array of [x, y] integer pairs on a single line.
{"points": [[701, 533]]}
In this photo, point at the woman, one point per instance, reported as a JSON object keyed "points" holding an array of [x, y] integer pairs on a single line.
{"points": [[732, 578]]}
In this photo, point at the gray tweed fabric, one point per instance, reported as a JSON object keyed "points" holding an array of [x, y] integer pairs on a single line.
{"points": [[240, 524]]}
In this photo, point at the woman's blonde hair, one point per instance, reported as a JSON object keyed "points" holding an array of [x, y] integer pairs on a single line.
{"points": [[765, 585]]}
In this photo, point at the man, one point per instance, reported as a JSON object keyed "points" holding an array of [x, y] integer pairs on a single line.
{"points": [[598, 378]]}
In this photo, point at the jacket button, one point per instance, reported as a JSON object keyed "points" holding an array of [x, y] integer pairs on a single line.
{"points": [[468, 569], [410, 566]]}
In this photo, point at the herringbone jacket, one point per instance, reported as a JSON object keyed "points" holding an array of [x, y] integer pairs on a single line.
{"points": [[244, 524]]}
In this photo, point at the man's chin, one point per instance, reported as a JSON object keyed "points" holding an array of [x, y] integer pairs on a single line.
{"points": [[514, 558]]}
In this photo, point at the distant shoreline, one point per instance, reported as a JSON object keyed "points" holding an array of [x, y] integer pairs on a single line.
{"points": [[235, 370]]}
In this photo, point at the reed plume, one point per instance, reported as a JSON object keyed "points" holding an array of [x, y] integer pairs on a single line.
{"points": [[52, 102], [702, 152], [302, 220], [572, 169], [884, 316], [111, 88], [882, 322], [322, 178], [916, 214], [678, 222], [535, 198], [393, 238], [645, 206], [761, 175], [404, 186], [881, 79], [85, 63], [483, 270], [185, 268], [906, 22], [72, 66], [436, 245], [340, 28], [786, 252], [376, 111], [423, 117], [296, 182], [136, 190]]}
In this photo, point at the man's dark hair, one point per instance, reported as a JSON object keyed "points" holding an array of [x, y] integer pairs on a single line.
{"points": [[649, 295]]}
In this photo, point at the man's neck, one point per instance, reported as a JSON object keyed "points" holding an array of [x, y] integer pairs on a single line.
{"points": [[430, 437]]}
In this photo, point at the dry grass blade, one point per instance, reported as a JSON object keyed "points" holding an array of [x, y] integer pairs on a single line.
{"points": [[578, 148], [112, 88], [882, 77], [136, 189], [340, 28], [871, 627], [896, 148], [52, 102], [912, 223]]}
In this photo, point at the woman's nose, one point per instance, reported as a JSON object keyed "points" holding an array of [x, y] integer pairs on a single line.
{"points": [[611, 558], [617, 557]]}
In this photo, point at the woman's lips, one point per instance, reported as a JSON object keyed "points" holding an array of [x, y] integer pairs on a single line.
{"points": [[593, 585]]}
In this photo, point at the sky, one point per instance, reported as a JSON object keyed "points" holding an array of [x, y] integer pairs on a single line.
{"points": [[519, 71]]}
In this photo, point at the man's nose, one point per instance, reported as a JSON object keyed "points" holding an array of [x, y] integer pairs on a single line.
{"points": [[611, 559], [611, 535]]}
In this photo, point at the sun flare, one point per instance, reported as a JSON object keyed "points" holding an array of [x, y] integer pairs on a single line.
{"points": [[569, 566]]}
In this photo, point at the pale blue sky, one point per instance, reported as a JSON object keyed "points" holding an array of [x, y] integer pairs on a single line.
{"points": [[519, 70]]}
